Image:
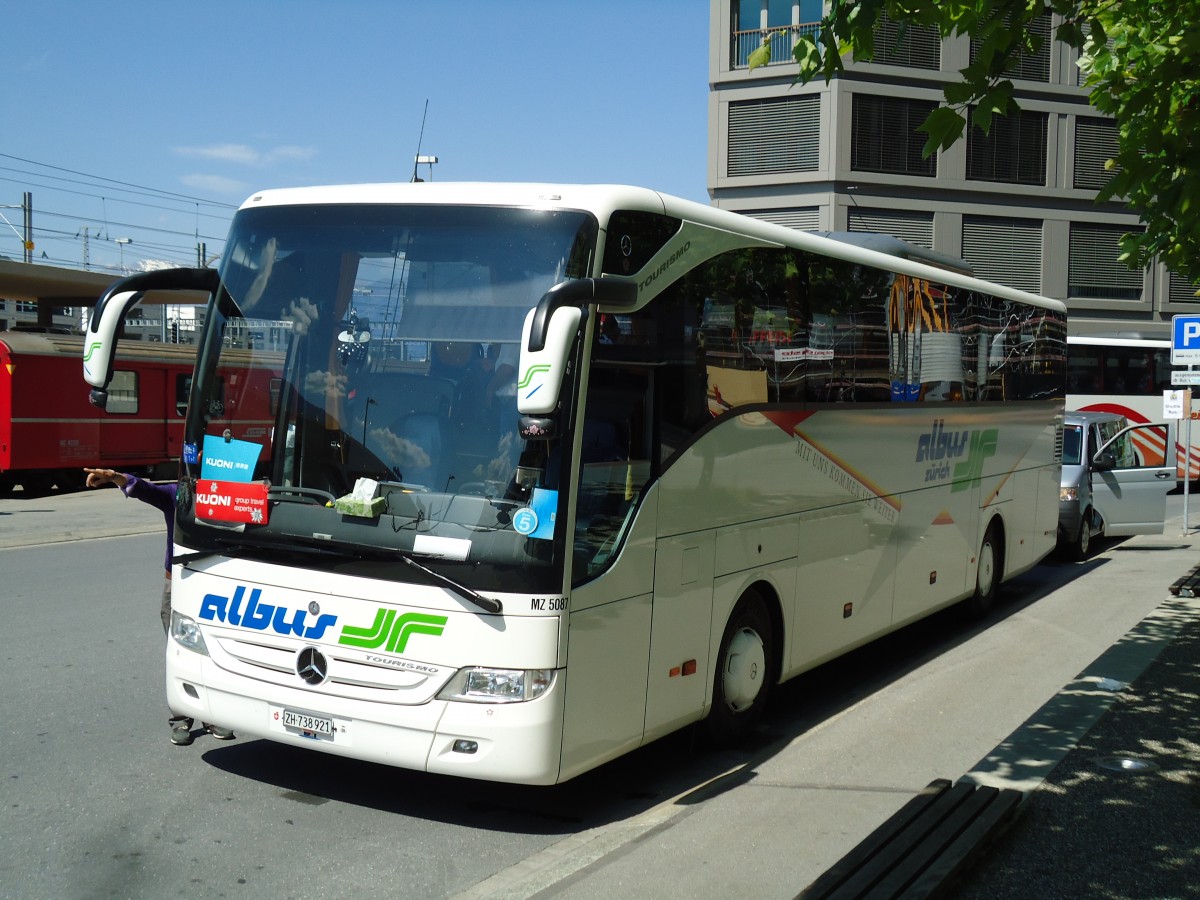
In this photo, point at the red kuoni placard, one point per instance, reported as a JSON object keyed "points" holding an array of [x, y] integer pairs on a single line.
{"points": [[232, 501]]}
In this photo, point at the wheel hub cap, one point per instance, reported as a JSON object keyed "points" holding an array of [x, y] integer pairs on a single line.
{"points": [[745, 670]]}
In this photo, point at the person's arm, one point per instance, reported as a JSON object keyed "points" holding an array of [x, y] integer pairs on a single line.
{"points": [[160, 496]]}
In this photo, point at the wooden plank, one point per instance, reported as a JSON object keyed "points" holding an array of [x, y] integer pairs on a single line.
{"points": [[923, 847], [935, 844], [908, 842], [875, 856], [1001, 812], [844, 868]]}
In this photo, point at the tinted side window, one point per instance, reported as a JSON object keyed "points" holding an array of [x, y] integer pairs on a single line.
{"points": [[1072, 453], [633, 239], [784, 326]]}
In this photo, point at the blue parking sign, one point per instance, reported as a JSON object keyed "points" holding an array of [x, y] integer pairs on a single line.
{"points": [[1185, 340]]}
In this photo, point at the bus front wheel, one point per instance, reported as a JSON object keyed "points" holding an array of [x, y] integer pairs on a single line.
{"points": [[743, 678]]}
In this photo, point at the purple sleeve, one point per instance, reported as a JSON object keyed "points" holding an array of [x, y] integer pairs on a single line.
{"points": [[161, 497]]}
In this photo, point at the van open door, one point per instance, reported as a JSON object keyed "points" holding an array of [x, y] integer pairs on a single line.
{"points": [[1130, 491]]}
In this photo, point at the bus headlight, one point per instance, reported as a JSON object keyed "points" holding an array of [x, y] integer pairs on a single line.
{"points": [[1068, 493], [480, 685], [186, 632]]}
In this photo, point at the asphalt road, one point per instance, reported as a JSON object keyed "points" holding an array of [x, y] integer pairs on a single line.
{"points": [[98, 803]]}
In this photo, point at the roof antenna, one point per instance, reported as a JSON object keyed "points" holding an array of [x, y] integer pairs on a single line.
{"points": [[420, 138]]}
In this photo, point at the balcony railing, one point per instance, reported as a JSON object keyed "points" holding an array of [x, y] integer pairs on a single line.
{"points": [[782, 37]]}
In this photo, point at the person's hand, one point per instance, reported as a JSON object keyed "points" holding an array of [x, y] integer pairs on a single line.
{"points": [[101, 477]]}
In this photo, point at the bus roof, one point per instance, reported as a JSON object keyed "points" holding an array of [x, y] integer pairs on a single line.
{"points": [[602, 200], [894, 246]]}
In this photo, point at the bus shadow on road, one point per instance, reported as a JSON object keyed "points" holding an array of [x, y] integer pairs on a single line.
{"points": [[612, 792]]}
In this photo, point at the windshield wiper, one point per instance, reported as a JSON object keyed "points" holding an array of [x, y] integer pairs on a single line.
{"points": [[184, 558], [315, 495], [192, 556], [487, 604]]}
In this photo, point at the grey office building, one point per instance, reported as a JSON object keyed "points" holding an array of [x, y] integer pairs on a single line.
{"points": [[1018, 203]]}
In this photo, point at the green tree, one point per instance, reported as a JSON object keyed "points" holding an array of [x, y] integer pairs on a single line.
{"points": [[1141, 62]]}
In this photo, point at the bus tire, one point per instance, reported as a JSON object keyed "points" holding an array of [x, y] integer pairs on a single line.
{"points": [[988, 573], [743, 675]]}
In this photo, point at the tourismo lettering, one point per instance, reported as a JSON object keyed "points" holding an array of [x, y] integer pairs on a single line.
{"points": [[260, 616], [665, 265]]}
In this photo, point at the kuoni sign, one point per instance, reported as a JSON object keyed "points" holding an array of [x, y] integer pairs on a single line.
{"points": [[232, 501], [228, 459]]}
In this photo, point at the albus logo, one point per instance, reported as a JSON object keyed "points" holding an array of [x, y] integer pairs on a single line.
{"points": [[941, 448]]}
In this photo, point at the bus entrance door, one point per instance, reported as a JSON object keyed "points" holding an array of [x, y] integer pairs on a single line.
{"points": [[680, 631]]}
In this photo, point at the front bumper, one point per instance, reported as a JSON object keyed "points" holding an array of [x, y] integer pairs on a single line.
{"points": [[514, 742]]}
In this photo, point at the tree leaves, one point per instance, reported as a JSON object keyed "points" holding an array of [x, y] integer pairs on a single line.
{"points": [[943, 127], [1141, 64]]}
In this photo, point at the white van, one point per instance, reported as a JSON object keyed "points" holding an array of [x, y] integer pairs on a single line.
{"points": [[1112, 484]]}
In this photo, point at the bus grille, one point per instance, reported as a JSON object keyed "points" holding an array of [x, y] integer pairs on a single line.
{"points": [[353, 674]]}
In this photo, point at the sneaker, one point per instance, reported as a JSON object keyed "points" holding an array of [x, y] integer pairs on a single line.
{"points": [[221, 734], [181, 732]]}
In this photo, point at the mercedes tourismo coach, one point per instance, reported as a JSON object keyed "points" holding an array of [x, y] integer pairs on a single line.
{"points": [[556, 470]]}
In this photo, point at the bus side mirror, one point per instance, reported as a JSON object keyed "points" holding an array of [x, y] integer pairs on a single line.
{"points": [[550, 329], [541, 371], [100, 346], [100, 343], [1104, 461]]}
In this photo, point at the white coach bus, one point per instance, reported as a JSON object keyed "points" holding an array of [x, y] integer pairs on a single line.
{"points": [[1126, 373], [549, 472]]}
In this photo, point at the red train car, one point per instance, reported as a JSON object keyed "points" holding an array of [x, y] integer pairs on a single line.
{"points": [[48, 429]]}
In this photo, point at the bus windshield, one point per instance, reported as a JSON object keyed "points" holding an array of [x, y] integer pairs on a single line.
{"points": [[359, 362]]}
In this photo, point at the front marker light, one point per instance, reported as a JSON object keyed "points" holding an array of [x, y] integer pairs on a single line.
{"points": [[480, 685], [1068, 493], [186, 632]]}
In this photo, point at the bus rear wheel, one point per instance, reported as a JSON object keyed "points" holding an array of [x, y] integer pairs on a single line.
{"points": [[988, 573], [743, 677]]}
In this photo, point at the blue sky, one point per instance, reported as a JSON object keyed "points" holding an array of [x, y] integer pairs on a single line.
{"points": [[214, 101]]}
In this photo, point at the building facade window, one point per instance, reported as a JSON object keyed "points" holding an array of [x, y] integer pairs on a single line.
{"points": [[1007, 251], [1030, 66], [916, 228], [774, 136], [779, 21], [1179, 291], [916, 46], [1094, 269], [804, 219], [1013, 151], [884, 136], [1095, 145]]}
